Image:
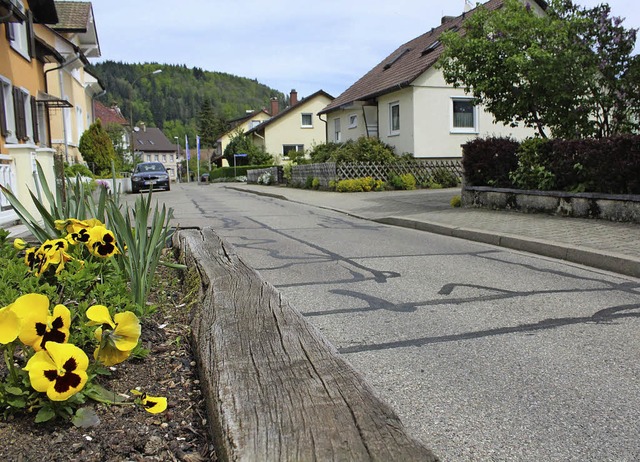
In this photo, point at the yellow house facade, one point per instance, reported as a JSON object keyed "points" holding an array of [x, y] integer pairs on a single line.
{"points": [[297, 128], [24, 116], [76, 37], [241, 125]]}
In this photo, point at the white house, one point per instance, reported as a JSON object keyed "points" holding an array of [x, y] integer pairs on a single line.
{"points": [[405, 102]]}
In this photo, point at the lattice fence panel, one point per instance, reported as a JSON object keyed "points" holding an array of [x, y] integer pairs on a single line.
{"points": [[422, 170]]}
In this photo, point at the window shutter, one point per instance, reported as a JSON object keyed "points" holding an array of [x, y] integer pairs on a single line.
{"points": [[34, 120], [21, 119], [31, 36], [3, 113], [8, 29]]}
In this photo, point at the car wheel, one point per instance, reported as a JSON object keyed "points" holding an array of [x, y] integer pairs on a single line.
{"points": [[134, 190]]}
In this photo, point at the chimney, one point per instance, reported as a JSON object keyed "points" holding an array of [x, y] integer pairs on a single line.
{"points": [[446, 19], [143, 126], [274, 106], [293, 98]]}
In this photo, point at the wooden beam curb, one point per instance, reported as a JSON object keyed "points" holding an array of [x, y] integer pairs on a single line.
{"points": [[275, 389]]}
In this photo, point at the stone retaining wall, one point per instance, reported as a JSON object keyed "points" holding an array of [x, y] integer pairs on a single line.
{"points": [[613, 207]]}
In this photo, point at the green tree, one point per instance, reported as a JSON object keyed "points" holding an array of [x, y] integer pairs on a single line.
{"points": [[210, 126], [97, 149], [241, 144], [567, 71], [119, 139]]}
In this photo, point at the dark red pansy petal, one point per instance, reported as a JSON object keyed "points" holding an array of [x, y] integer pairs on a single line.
{"points": [[51, 375]]}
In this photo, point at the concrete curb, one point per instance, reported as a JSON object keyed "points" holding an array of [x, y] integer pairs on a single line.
{"points": [[608, 261]]}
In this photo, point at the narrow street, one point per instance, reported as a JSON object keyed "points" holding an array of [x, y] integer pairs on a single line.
{"points": [[485, 353]]}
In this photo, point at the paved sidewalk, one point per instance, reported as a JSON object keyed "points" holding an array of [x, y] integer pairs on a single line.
{"points": [[596, 243]]}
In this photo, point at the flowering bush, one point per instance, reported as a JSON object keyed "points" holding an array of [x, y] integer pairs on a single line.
{"points": [[75, 292]]}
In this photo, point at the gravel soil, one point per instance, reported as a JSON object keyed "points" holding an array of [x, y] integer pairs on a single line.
{"points": [[129, 433]]}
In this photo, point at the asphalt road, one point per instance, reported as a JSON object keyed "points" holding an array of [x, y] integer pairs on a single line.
{"points": [[485, 354]]}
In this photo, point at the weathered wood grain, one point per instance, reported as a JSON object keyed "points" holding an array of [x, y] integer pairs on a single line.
{"points": [[276, 390]]}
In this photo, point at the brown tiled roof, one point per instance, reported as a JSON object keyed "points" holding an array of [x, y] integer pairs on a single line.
{"points": [[152, 139], [406, 63], [73, 16], [109, 115]]}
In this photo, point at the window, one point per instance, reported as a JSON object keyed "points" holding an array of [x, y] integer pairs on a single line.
{"points": [[164, 157], [336, 131], [287, 148], [7, 116], [79, 122], [307, 120], [253, 124], [156, 158], [394, 118], [170, 157], [19, 33], [353, 120], [463, 116], [148, 157]]}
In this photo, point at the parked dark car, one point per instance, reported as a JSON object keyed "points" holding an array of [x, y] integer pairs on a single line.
{"points": [[150, 174]]}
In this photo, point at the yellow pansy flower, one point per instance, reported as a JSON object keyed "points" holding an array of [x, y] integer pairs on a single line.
{"points": [[117, 336], [39, 326], [102, 242], [60, 370]]}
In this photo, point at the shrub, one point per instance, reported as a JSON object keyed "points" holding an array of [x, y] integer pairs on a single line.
{"points": [[360, 185], [487, 162], [77, 169], [308, 184], [456, 201], [315, 183], [404, 181], [532, 171], [444, 178], [364, 149]]}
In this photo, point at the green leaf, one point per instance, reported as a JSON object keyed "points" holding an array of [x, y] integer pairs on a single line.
{"points": [[45, 414], [85, 417], [17, 402], [99, 393], [14, 391]]}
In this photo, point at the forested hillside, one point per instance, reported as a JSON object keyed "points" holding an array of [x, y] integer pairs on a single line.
{"points": [[178, 98]]}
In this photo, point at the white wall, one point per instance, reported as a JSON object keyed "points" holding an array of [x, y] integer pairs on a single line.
{"points": [[434, 137]]}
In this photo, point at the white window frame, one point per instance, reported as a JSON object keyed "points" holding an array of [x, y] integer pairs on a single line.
{"points": [[42, 123], [302, 121], [393, 129], [466, 130], [20, 42], [337, 131], [353, 121], [10, 116]]}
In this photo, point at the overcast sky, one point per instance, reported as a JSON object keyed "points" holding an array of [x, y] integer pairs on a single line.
{"points": [[310, 46]]}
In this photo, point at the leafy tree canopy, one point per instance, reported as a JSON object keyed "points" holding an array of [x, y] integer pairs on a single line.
{"points": [[180, 100], [241, 144], [97, 149], [569, 71]]}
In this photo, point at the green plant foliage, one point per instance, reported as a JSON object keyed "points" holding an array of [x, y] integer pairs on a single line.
{"points": [[241, 144], [359, 185], [174, 99], [532, 173], [364, 149], [445, 178], [404, 181], [456, 201], [569, 70], [97, 149]]}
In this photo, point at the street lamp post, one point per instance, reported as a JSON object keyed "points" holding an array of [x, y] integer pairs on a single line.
{"points": [[157, 71]]}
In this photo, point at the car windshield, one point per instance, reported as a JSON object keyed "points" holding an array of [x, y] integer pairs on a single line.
{"points": [[141, 168]]}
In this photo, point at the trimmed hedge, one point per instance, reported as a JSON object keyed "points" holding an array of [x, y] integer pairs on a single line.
{"points": [[607, 165], [232, 172]]}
